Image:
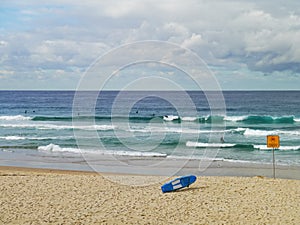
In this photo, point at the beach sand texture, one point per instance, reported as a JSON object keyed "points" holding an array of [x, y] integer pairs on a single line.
{"points": [[36, 196]]}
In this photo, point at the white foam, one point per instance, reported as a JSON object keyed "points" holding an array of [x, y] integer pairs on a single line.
{"points": [[208, 145], [96, 127], [172, 130], [239, 129], [13, 138], [34, 138], [56, 148], [170, 118], [289, 148], [253, 132], [17, 117], [60, 127], [193, 131], [51, 147], [88, 127], [283, 148], [235, 118], [297, 119], [261, 147], [188, 118], [294, 132]]}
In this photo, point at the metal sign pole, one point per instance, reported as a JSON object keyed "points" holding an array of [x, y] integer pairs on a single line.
{"points": [[273, 163], [273, 142]]}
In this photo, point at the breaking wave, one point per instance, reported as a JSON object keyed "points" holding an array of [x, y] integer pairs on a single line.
{"points": [[56, 148], [17, 117], [239, 146], [247, 119]]}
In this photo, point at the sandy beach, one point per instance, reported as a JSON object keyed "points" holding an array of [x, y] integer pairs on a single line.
{"points": [[43, 196]]}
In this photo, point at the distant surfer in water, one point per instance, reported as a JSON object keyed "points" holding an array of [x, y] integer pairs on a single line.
{"points": [[222, 139]]}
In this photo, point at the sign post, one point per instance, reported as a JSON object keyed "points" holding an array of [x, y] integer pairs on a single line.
{"points": [[273, 142]]}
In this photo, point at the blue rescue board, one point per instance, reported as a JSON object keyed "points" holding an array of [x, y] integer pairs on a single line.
{"points": [[178, 183]]}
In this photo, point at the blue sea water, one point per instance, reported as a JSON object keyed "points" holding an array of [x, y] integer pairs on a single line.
{"points": [[152, 124]]}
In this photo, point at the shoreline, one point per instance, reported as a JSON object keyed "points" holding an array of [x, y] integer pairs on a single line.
{"points": [[151, 166], [48, 196]]}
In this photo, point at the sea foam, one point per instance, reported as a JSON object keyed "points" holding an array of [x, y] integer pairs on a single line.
{"points": [[283, 148], [170, 118], [17, 117], [56, 148], [208, 145]]}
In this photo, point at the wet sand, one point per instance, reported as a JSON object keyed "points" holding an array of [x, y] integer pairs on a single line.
{"points": [[44, 196]]}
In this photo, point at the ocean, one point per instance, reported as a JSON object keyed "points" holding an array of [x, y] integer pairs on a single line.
{"points": [[43, 124]]}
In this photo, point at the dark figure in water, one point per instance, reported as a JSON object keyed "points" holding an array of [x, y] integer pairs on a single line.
{"points": [[222, 140]]}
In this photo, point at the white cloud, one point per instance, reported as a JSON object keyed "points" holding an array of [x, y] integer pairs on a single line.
{"points": [[194, 40], [3, 43], [69, 35], [6, 72]]}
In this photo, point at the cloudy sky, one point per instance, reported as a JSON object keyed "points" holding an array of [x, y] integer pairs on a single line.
{"points": [[247, 44]]}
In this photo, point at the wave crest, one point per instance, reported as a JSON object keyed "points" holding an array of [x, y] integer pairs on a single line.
{"points": [[56, 148], [17, 117], [247, 119]]}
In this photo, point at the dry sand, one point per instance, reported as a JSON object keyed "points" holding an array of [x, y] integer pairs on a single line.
{"points": [[36, 196]]}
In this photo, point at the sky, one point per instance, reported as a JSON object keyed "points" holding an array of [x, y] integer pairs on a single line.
{"points": [[248, 45]]}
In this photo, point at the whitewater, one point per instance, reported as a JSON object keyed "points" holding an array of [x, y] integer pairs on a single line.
{"points": [[42, 123]]}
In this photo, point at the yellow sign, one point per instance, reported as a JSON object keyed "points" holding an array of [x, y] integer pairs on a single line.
{"points": [[273, 141]]}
